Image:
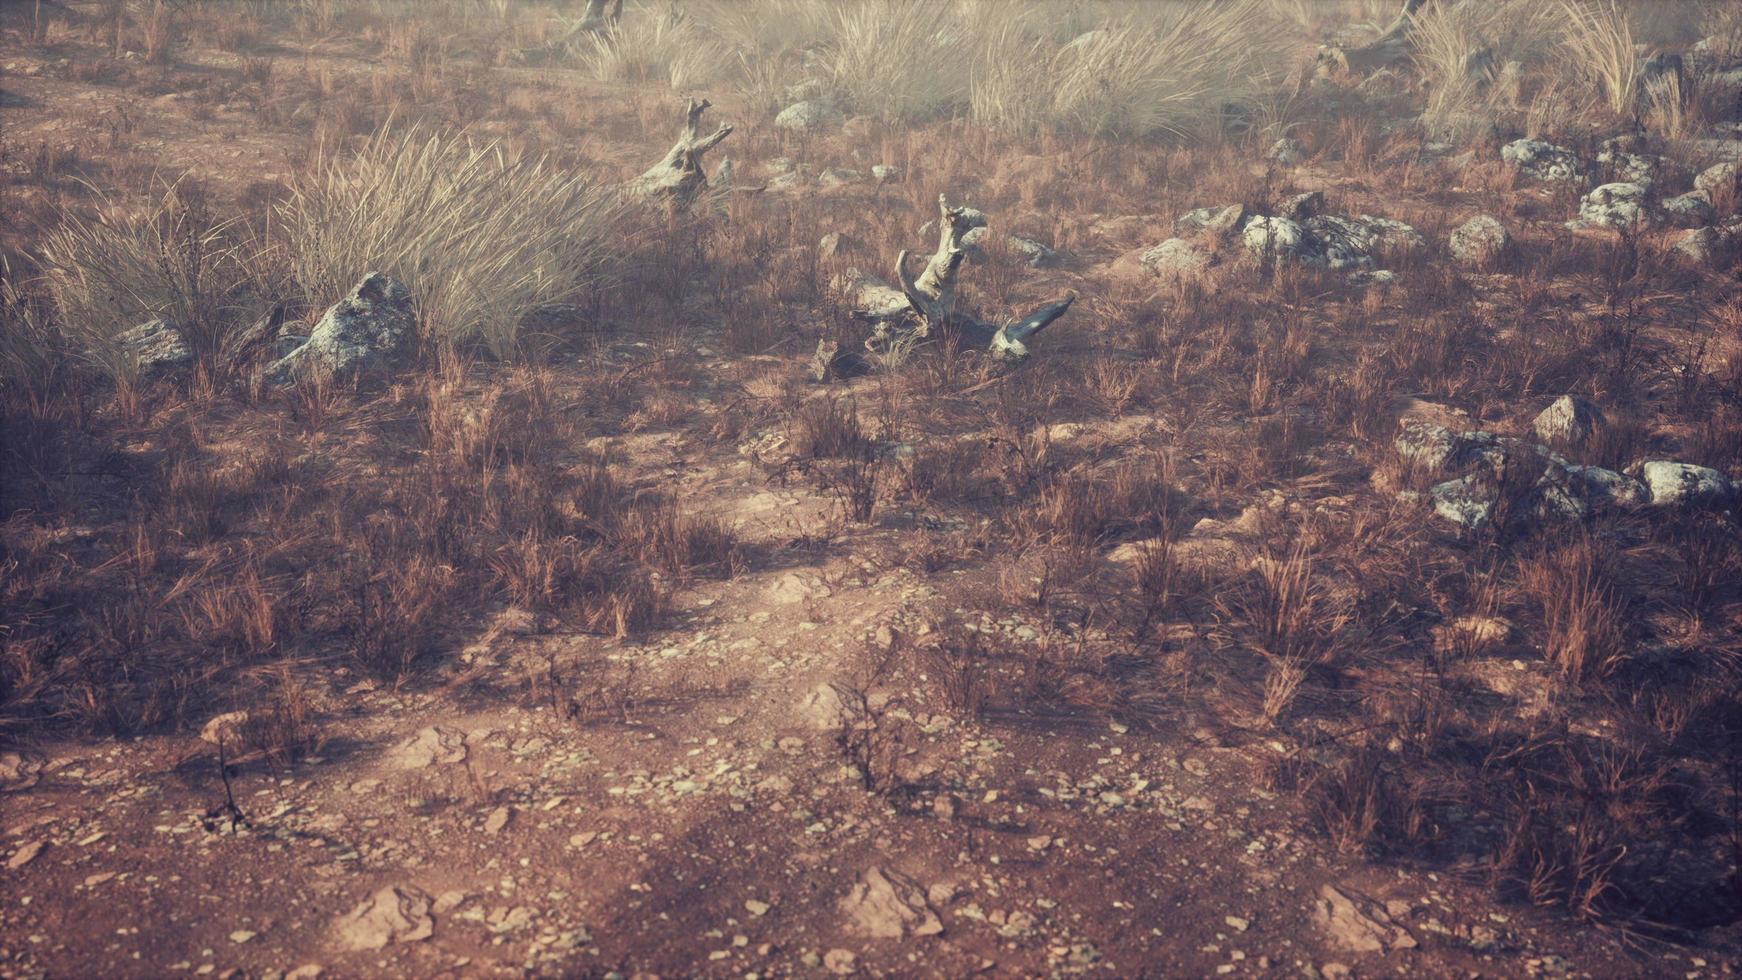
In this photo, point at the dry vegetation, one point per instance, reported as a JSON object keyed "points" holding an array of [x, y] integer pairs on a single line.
{"points": [[1188, 496]]}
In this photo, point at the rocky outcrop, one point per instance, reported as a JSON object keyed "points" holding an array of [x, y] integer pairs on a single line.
{"points": [[1176, 258], [1568, 421], [1621, 206]]}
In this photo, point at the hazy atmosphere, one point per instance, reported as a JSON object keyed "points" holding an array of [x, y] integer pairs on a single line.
{"points": [[935, 488]]}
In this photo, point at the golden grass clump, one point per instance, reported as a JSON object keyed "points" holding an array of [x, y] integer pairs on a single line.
{"points": [[483, 237]]}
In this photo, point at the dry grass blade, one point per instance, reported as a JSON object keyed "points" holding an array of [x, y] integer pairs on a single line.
{"points": [[1600, 40]]}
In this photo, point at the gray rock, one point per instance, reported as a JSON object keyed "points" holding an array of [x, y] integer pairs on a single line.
{"points": [[1467, 501], [809, 116], [1543, 161], [1690, 210], [870, 297], [1437, 450], [1719, 179], [1036, 254], [1282, 238], [1621, 206], [1353, 241], [1303, 206], [1568, 421], [1286, 151], [883, 173], [1632, 168], [1176, 257], [837, 177], [1479, 242], [1594, 487], [1216, 220], [1704, 246], [836, 244], [1686, 485], [157, 347], [370, 331]]}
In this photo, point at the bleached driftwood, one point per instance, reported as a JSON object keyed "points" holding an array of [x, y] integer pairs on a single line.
{"points": [[679, 176], [931, 301], [933, 294]]}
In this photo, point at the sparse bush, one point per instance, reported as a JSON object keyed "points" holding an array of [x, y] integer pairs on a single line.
{"points": [[663, 46], [1460, 48], [483, 237], [1599, 40], [898, 59]]}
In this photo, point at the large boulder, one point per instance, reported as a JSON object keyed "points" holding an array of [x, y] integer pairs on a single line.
{"points": [[1686, 485], [1705, 246], [1037, 254], [1356, 240], [807, 117], [1284, 239], [370, 331], [1479, 242], [157, 347], [1543, 161], [1216, 221]]}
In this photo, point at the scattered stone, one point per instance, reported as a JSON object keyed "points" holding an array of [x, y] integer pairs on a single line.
{"points": [[18, 771], [369, 331], [756, 908], [1568, 421], [822, 708], [1303, 206], [1036, 254], [1219, 222], [839, 177], [430, 746], [1719, 179], [835, 244], [840, 962], [803, 117], [1479, 242], [1236, 923], [497, 820], [1286, 152], [883, 173], [225, 729], [1690, 210], [308, 971], [157, 347], [833, 363], [1175, 258], [1686, 485], [1705, 246], [1353, 922], [1621, 206], [1543, 161], [24, 855], [241, 936], [887, 905], [395, 914]]}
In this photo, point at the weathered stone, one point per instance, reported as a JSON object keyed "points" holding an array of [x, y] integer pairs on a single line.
{"points": [[1300, 207], [369, 331], [1036, 254], [157, 347], [395, 914], [1176, 257], [809, 117], [1675, 484], [887, 905], [1690, 210], [1543, 161], [1620, 206], [1358, 924], [1479, 242], [1719, 179], [883, 173], [1568, 421]]}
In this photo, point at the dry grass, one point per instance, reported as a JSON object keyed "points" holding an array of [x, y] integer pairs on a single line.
{"points": [[1599, 39], [484, 237]]}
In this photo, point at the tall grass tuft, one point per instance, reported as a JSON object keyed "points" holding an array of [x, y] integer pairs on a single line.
{"points": [[1459, 47], [1169, 69], [124, 265], [899, 59], [1600, 41], [483, 238], [665, 46]]}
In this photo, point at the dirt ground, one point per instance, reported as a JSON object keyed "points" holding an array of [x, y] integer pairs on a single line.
{"points": [[768, 783]]}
